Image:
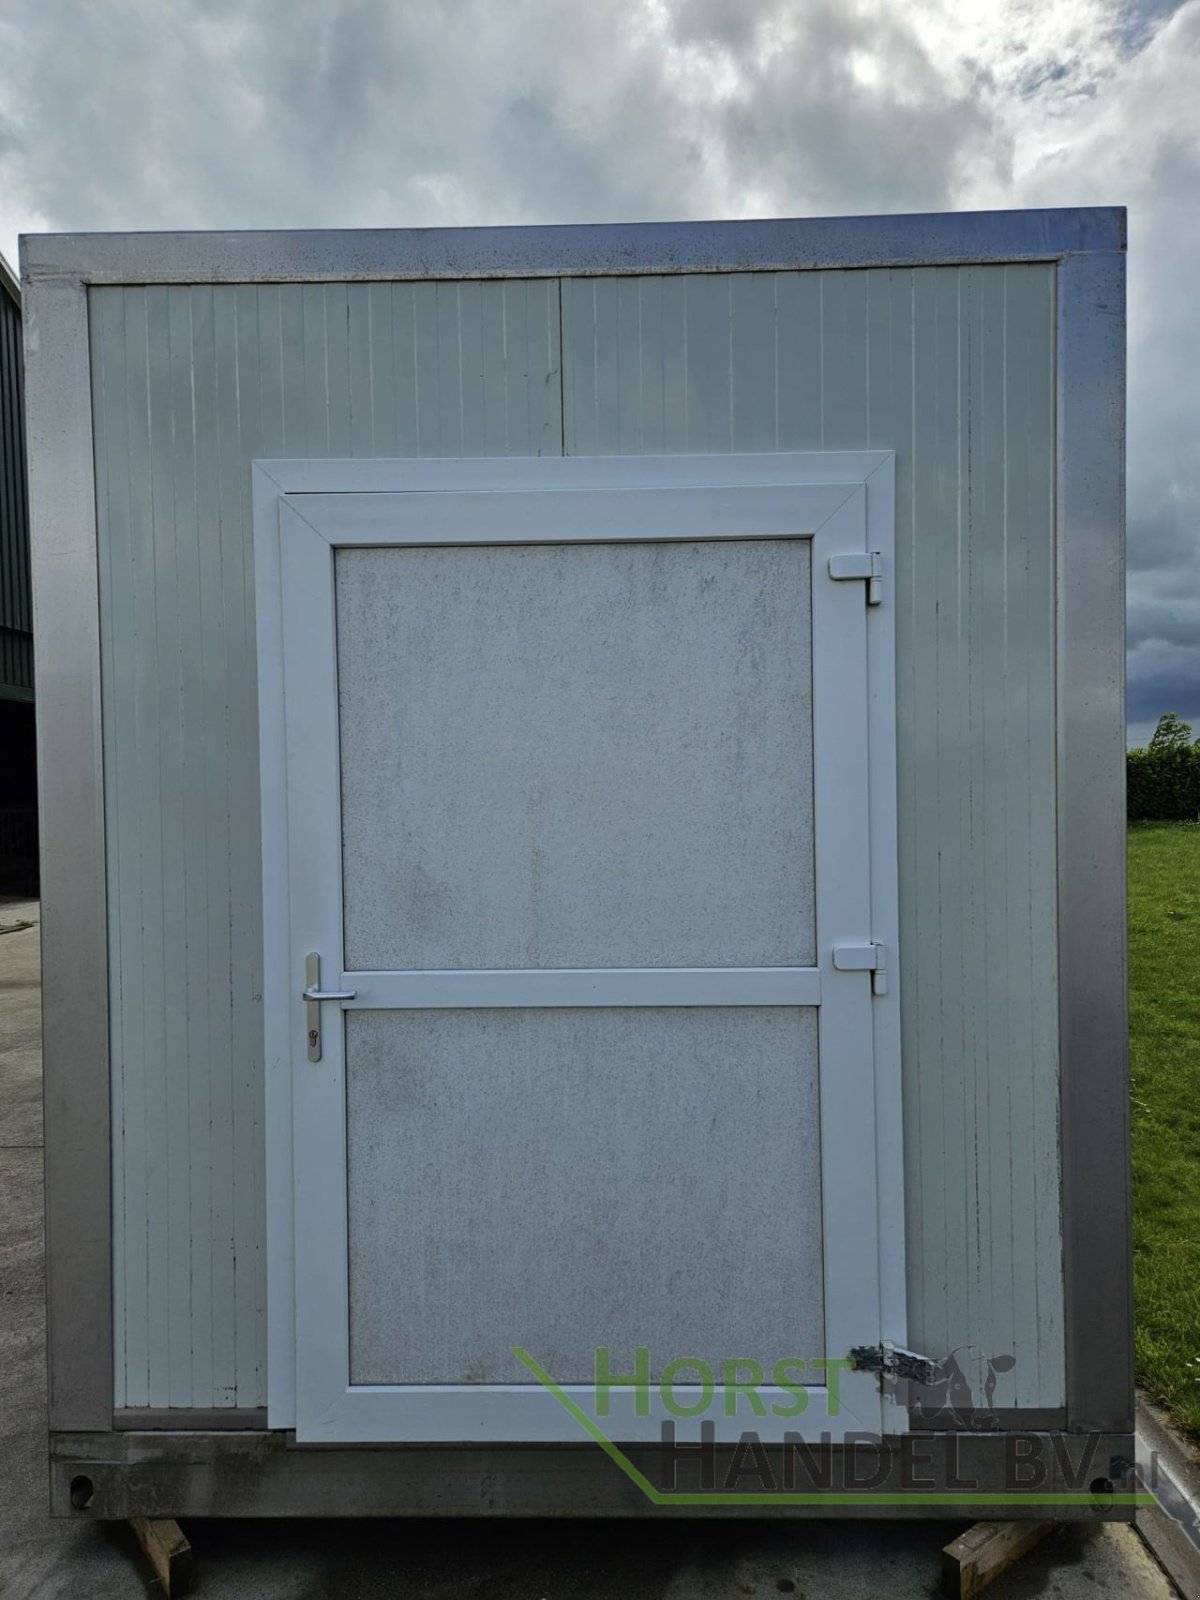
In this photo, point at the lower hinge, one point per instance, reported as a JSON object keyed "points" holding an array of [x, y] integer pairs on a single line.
{"points": [[870, 958], [863, 565], [893, 1362]]}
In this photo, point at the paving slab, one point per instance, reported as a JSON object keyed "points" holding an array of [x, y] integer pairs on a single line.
{"points": [[63, 1560]]}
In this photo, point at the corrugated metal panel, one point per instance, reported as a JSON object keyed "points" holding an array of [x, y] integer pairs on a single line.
{"points": [[953, 368], [16, 620], [190, 385]]}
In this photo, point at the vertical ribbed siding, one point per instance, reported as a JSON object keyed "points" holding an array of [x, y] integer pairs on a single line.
{"points": [[16, 620], [190, 385], [953, 369]]}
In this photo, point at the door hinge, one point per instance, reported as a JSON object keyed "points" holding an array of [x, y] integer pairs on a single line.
{"points": [[863, 565], [891, 1361], [870, 958]]}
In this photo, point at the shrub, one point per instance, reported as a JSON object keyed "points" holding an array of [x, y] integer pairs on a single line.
{"points": [[1163, 779]]}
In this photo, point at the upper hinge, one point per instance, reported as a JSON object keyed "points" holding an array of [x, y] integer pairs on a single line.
{"points": [[865, 565], [870, 958], [891, 1361]]}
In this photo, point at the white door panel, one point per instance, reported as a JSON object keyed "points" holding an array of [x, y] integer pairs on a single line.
{"points": [[576, 755], [574, 1156], [570, 790]]}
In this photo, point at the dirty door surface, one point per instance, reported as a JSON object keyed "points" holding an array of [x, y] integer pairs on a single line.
{"points": [[576, 791]]}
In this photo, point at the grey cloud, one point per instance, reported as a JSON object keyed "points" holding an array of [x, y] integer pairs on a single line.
{"points": [[1155, 545], [1164, 512], [1137, 22], [727, 22], [1141, 146], [1170, 618], [286, 113], [307, 111], [1164, 677], [807, 126]]}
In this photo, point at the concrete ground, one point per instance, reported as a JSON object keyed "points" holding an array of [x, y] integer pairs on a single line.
{"points": [[430, 1560]]}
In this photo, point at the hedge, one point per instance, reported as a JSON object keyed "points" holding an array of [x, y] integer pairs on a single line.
{"points": [[1163, 779]]}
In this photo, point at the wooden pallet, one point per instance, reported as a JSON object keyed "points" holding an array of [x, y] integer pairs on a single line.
{"points": [[168, 1552], [975, 1558]]}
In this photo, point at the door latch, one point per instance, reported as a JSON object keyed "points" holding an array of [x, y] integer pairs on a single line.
{"points": [[893, 1361], [312, 995]]}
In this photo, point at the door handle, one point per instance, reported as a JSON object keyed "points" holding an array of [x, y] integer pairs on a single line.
{"points": [[312, 995]]}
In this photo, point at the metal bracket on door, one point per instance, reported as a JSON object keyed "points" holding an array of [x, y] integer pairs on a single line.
{"points": [[312, 995], [893, 1361], [870, 958], [864, 566]]}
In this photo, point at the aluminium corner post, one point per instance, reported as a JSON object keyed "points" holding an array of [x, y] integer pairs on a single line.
{"points": [[1093, 1021], [66, 637]]}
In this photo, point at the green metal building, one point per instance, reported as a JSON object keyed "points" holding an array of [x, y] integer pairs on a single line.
{"points": [[18, 777]]}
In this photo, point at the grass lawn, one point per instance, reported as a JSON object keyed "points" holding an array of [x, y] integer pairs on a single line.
{"points": [[1164, 1025]]}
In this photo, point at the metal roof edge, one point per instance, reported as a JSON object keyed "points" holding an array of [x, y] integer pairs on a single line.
{"points": [[780, 244]]}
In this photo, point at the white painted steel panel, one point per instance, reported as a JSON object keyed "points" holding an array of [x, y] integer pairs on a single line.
{"points": [[566, 1179], [189, 386], [585, 756], [953, 368], [911, 359]]}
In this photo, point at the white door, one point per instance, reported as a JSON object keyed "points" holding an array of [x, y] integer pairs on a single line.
{"points": [[578, 795]]}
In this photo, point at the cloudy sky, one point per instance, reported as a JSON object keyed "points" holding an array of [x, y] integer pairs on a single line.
{"points": [[323, 113]]}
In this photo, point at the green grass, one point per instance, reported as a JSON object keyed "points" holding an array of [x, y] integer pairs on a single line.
{"points": [[1164, 1025]]}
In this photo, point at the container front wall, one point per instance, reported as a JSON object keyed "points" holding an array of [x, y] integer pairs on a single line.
{"points": [[953, 368]]}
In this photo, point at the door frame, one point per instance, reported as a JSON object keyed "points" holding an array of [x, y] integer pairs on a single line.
{"points": [[844, 503]]}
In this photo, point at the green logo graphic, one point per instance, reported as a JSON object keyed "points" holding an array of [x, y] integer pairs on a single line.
{"points": [[748, 1458]]}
